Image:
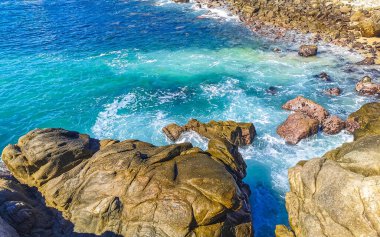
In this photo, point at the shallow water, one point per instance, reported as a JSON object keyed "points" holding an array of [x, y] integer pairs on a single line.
{"points": [[125, 69]]}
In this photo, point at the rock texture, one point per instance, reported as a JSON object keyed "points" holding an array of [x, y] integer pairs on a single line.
{"points": [[132, 188], [366, 87], [339, 194], [308, 107], [335, 91], [239, 134], [308, 50], [333, 125]]}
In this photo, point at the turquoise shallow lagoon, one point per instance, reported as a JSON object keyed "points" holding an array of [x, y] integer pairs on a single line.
{"points": [[125, 69]]}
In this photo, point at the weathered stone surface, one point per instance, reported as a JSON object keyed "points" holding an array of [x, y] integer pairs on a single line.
{"points": [[308, 50], [366, 87], [283, 231], [367, 61], [339, 194], [297, 127], [132, 188], [335, 91], [365, 121], [239, 134], [333, 125], [307, 107]]}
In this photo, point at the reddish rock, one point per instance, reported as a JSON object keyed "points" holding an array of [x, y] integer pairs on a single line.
{"points": [[333, 125], [307, 107], [173, 131], [366, 87], [335, 91], [308, 50], [297, 127]]}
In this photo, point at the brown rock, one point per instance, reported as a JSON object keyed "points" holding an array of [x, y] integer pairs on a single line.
{"points": [[297, 127], [283, 231], [365, 121], [367, 61], [333, 125], [366, 87], [324, 76], [307, 107], [173, 131], [335, 91], [308, 50]]}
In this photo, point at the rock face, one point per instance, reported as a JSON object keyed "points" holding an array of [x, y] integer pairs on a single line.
{"points": [[133, 188], [366, 87], [308, 107], [339, 194], [333, 125], [239, 134], [297, 127], [308, 50], [365, 121]]}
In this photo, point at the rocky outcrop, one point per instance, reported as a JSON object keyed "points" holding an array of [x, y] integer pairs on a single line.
{"points": [[308, 107], [297, 127], [339, 194], [131, 188], [308, 50], [366, 87], [239, 134], [333, 125]]}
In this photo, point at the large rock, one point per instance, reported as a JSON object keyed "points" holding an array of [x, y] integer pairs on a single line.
{"points": [[339, 194], [297, 127], [308, 107], [365, 121], [239, 134], [333, 125], [308, 50], [366, 87], [133, 188]]}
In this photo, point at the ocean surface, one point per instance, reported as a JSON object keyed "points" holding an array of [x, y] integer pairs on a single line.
{"points": [[124, 69]]}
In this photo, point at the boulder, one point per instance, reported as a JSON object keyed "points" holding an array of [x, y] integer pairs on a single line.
{"points": [[333, 125], [370, 27], [324, 76], [133, 188], [366, 87], [308, 107], [297, 127], [335, 91], [365, 121], [338, 194], [308, 50], [367, 61], [239, 134]]}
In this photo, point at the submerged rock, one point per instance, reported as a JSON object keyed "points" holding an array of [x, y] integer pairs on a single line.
{"points": [[333, 125], [338, 194], [308, 50], [335, 91], [133, 188], [367, 61], [297, 127], [308, 107], [324, 76], [366, 87], [239, 134]]}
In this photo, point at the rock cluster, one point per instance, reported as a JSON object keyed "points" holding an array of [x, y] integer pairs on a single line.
{"points": [[366, 87], [127, 188], [239, 134], [338, 194], [306, 120]]}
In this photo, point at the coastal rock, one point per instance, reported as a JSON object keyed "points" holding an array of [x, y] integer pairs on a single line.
{"points": [[133, 188], [335, 91], [181, 1], [324, 76], [338, 194], [367, 87], [333, 125], [283, 231], [308, 107], [370, 27], [308, 50], [239, 134], [297, 127], [365, 121], [367, 61]]}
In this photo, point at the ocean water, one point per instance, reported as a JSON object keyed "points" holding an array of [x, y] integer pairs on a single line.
{"points": [[124, 69]]}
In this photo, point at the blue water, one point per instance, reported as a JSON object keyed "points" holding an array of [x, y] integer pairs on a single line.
{"points": [[125, 69]]}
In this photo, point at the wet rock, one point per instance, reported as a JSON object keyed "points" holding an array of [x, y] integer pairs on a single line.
{"points": [[308, 50], [324, 76], [307, 107], [297, 127], [6, 230], [181, 1], [239, 134], [338, 194], [333, 125], [133, 188], [272, 90], [367, 61], [366, 87], [335, 91]]}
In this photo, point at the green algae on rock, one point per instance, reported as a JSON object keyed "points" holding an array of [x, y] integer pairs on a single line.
{"points": [[133, 188]]}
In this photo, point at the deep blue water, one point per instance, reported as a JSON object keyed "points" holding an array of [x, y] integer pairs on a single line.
{"points": [[125, 69]]}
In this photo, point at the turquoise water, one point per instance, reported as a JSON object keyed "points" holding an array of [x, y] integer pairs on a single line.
{"points": [[125, 69]]}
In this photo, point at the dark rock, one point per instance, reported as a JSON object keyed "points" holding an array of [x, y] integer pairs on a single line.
{"points": [[297, 127], [324, 76], [335, 91], [272, 90], [308, 50], [367, 61]]}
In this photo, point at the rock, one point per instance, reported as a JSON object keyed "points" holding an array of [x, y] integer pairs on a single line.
{"points": [[133, 188], [333, 125], [307, 107], [297, 127], [181, 1], [239, 134], [283, 231], [272, 90], [335, 91], [173, 131], [308, 50], [370, 27], [338, 194], [6, 230], [324, 76], [367, 61], [365, 121], [366, 87]]}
